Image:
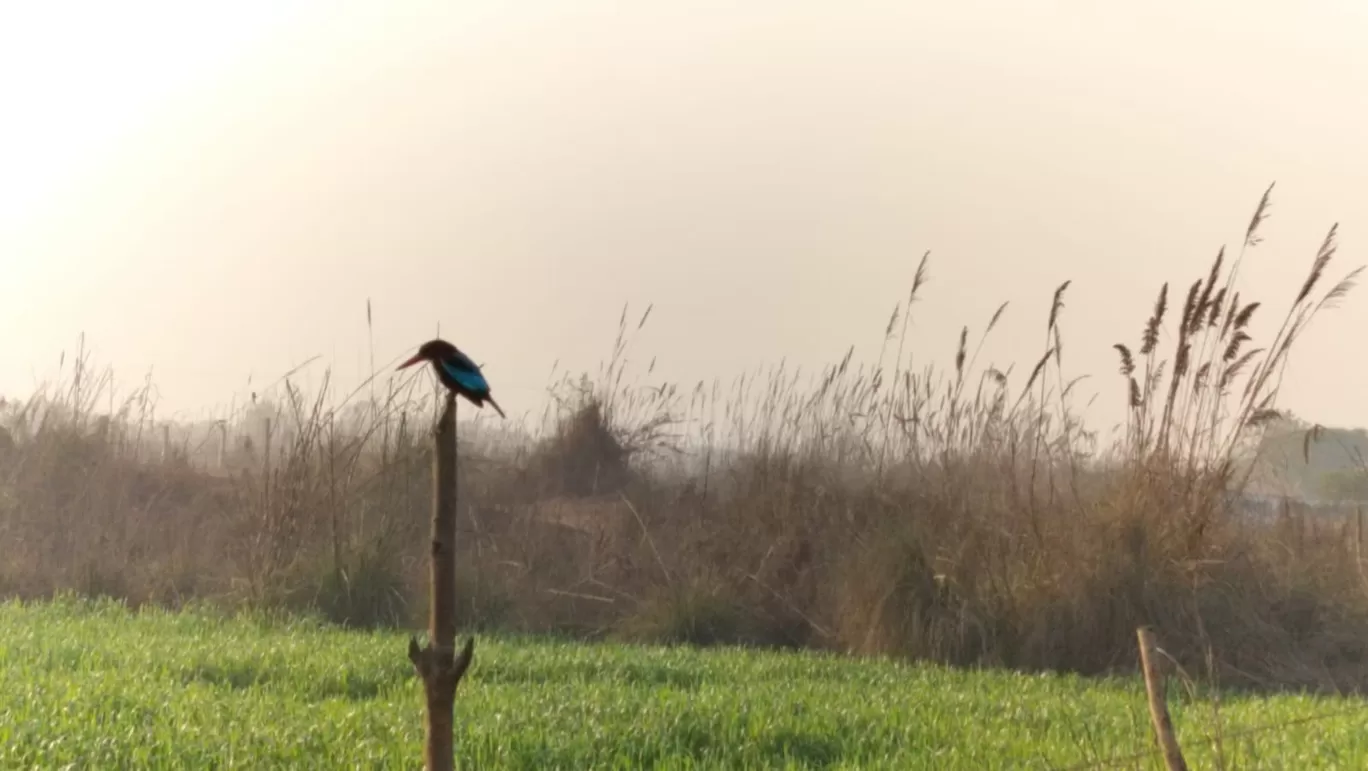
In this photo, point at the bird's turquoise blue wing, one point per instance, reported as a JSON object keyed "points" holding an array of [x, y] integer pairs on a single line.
{"points": [[462, 361], [469, 377]]}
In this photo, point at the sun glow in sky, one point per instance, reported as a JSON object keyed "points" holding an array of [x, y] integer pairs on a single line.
{"points": [[83, 83], [214, 192], [81, 79]]}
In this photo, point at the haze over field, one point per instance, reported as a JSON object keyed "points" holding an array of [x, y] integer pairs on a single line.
{"points": [[221, 197], [214, 194]]}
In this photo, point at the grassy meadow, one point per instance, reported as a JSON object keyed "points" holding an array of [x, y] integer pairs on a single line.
{"points": [[93, 685], [887, 507]]}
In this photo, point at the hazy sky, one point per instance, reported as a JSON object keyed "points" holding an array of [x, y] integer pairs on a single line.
{"points": [[213, 194]]}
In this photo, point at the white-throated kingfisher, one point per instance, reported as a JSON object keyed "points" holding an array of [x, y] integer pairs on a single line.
{"points": [[456, 371]]}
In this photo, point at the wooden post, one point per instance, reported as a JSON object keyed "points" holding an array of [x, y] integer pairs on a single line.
{"points": [[1158, 708], [437, 664]]}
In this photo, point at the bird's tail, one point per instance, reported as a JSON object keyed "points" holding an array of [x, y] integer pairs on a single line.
{"points": [[495, 405]]}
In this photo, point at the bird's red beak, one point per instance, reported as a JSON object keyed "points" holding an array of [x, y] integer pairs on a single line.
{"points": [[417, 357]]}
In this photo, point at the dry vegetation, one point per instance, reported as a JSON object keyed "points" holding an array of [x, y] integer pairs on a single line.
{"points": [[961, 515]]}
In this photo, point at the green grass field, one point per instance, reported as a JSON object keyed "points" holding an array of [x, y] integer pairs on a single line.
{"points": [[94, 686]]}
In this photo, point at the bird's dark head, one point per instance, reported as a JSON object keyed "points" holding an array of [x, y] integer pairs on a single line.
{"points": [[432, 350]]}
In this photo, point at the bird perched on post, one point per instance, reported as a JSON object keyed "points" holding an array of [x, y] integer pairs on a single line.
{"points": [[456, 371]]}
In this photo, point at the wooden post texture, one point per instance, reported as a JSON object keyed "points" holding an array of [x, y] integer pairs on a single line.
{"points": [[437, 664], [1158, 707]]}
